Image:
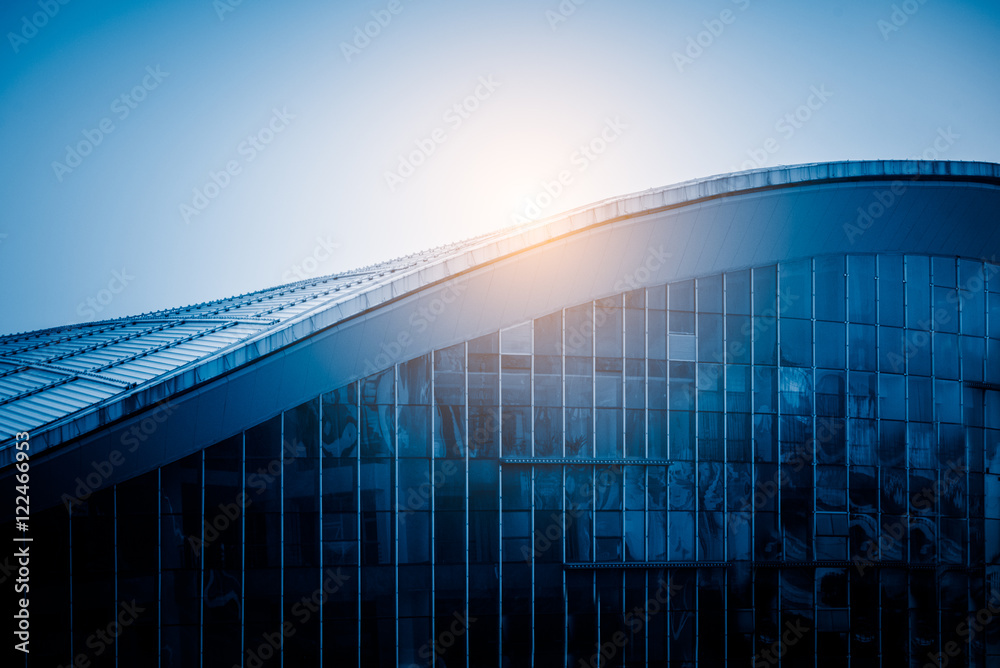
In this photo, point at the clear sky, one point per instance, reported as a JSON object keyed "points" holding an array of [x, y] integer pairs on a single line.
{"points": [[162, 153]]}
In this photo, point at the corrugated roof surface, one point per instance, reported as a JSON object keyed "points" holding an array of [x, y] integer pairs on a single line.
{"points": [[77, 377], [53, 373]]}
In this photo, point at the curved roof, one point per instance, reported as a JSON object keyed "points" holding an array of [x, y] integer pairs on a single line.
{"points": [[67, 381]]}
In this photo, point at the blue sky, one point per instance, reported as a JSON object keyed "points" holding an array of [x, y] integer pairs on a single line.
{"points": [[167, 153]]}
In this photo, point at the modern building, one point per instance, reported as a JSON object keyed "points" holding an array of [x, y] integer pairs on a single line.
{"points": [[746, 420]]}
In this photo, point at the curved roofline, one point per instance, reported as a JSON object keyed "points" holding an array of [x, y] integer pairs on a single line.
{"points": [[395, 284]]}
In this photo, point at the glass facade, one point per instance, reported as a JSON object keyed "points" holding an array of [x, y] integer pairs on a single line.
{"points": [[794, 465]]}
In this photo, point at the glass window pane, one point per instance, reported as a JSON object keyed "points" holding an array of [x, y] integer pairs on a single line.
{"points": [[738, 292], [945, 355], [415, 381], [890, 290], [892, 397], [831, 352], [918, 296], [516, 339], [861, 347], [861, 288], [710, 335], [765, 290], [830, 288], [680, 296], [635, 333], [972, 290], [796, 342], [765, 344], [709, 290], [795, 289], [739, 330], [449, 375], [608, 334], [548, 334]]}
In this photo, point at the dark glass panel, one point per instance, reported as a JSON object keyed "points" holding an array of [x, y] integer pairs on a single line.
{"points": [[223, 548], [414, 431], [861, 289], [918, 296], [449, 375], [681, 386], [516, 432], [449, 431], [484, 431], [710, 338], [709, 294], [548, 432], [830, 345], [765, 291], [579, 509], [830, 288], [738, 292], [415, 381], [795, 289], [765, 344], [484, 379], [890, 291], [795, 391], [861, 347], [972, 297], [341, 424], [945, 355]]}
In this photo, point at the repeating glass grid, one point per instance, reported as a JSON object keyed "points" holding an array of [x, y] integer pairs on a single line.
{"points": [[792, 464]]}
